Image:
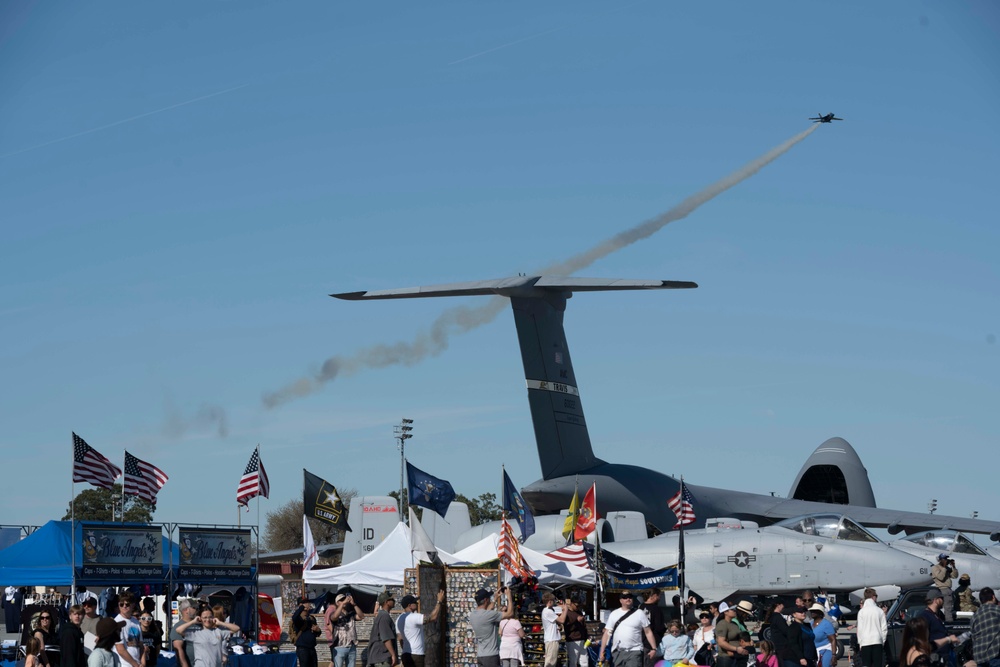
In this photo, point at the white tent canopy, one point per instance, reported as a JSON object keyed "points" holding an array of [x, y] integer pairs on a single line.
{"points": [[384, 566]]}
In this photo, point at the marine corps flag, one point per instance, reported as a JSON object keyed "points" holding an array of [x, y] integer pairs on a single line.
{"points": [[321, 501], [586, 522]]}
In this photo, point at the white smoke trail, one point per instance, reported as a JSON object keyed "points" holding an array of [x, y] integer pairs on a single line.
{"points": [[463, 318]]}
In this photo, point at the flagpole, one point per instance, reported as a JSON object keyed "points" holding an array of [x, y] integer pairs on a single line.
{"points": [[681, 556], [122, 517], [72, 525]]}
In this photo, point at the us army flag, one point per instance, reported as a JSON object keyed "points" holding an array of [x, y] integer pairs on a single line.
{"points": [[320, 501]]}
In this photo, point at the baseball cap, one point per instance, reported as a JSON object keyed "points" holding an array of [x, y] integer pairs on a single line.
{"points": [[407, 601], [723, 607], [799, 609], [933, 594], [483, 594], [944, 556]]}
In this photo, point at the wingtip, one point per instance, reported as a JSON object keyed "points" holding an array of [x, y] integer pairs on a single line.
{"points": [[350, 296]]}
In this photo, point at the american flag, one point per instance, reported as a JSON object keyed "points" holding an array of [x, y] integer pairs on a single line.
{"points": [[510, 553], [89, 465], [572, 554], [254, 481], [681, 504], [143, 479]]}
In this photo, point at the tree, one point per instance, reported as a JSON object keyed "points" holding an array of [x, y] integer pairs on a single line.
{"points": [[283, 527], [100, 504]]}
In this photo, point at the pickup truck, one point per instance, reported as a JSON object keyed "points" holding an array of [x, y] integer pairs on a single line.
{"points": [[909, 604]]}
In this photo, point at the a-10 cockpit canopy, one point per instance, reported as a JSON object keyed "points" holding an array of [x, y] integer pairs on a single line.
{"points": [[947, 541], [831, 526]]}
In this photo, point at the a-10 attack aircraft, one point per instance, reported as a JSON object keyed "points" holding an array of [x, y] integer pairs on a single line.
{"points": [[820, 118], [827, 551], [969, 557], [833, 479]]}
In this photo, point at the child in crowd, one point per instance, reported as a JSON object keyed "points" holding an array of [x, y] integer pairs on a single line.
{"points": [[33, 649], [746, 642], [766, 657], [676, 645]]}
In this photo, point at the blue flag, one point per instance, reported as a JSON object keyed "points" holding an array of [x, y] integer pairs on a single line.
{"points": [[519, 510], [428, 491]]}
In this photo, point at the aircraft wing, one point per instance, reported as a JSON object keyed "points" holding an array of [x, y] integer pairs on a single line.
{"points": [[772, 509], [517, 286]]}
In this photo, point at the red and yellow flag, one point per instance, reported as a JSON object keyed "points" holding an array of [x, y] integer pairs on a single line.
{"points": [[586, 522]]}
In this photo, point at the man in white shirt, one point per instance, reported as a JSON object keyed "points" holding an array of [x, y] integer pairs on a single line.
{"points": [[411, 628], [872, 630], [550, 629], [130, 649], [624, 631]]}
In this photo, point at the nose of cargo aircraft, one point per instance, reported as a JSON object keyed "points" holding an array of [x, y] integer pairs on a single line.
{"points": [[898, 568]]}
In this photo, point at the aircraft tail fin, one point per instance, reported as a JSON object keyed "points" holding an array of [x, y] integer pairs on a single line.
{"points": [[538, 303]]}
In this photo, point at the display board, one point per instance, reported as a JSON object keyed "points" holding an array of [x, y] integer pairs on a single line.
{"points": [[209, 554], [462, 585], [127, 553]]}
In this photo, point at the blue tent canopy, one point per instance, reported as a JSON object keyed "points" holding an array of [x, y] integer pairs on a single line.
{"points": [[44, 559]]}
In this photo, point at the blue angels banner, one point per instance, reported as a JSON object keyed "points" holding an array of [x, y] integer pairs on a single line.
{"points": [[620, 573], [212, 554], [428, 491], [123, 552], [514, 503]]}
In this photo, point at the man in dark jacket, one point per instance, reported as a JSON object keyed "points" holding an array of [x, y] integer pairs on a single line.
{"points": [[71, 640]]}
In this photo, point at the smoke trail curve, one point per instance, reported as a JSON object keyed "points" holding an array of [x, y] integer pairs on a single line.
{"points": [[461, 319]]}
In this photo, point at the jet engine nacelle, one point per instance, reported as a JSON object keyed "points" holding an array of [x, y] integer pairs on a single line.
{"points": [[834, 474]]}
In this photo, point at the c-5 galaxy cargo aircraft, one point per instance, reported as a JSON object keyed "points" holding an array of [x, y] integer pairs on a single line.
{"points": [[832, 480]]}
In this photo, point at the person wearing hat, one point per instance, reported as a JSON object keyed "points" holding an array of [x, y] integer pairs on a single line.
{"points": [[308, 630], [382, 642], [624, 631], [341, 628], [942, 573], [744, 609], [104, 654], [966, 600], [186, 612], [824, 636], [410, 625], [727, 638], [90, 618], [872, 630], [936, 631], [793, 654], [485, 621]]}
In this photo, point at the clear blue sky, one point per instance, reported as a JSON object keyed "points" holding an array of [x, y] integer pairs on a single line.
{"points": [[182, 184]]}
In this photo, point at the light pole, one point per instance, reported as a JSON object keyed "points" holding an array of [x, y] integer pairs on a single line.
{"points": [[402, 433]]}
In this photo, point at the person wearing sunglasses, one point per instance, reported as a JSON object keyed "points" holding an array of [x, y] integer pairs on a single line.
{"points": [[45, 633], [152, 637], [129, 647]]}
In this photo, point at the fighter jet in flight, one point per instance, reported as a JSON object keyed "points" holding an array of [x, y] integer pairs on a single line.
{"points": [[820, 118]]}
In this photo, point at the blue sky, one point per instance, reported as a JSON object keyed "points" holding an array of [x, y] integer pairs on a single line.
{"points": [[183, 184]]}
